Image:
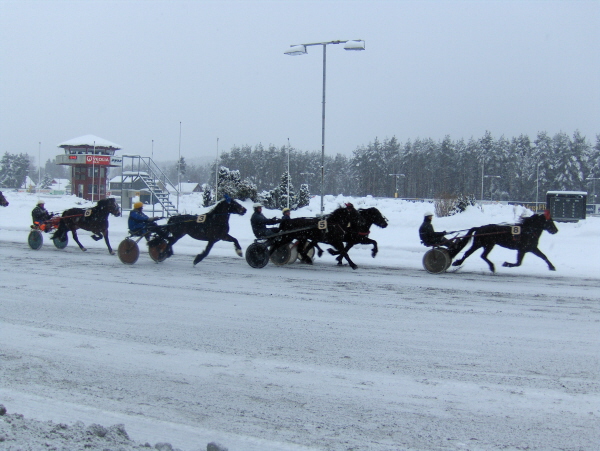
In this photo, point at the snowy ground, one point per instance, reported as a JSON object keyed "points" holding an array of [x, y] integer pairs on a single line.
{"points": [[387, 357]]}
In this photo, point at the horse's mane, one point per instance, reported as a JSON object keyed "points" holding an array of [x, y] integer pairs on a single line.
{"points": [[529, 220]]}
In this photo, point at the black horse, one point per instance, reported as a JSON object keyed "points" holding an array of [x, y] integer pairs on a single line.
{"points": [[3, 201], [523, 237], [337, 225], [212, 226], [360, 233], [93, 219]]}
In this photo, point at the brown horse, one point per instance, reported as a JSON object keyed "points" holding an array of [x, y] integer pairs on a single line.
{"points": [[3, 201], [93, 219]]}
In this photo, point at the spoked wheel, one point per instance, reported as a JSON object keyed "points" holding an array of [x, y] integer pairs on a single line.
{"points": [[128, 251], [436, 260], [35, 240], [281, 255], [60, 244], [158, 250], [257, 255]]}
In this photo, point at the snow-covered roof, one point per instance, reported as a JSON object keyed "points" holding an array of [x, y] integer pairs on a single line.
{"points": [[89, 140], [61, 182], [580, 193]]}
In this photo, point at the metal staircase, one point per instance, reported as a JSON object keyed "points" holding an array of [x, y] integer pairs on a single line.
{"points": [[155, 180]]}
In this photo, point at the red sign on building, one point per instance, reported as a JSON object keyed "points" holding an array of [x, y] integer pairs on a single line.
{"points": [[97, 159]]}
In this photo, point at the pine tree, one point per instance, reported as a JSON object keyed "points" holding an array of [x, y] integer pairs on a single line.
{"points": [[303, 196]]}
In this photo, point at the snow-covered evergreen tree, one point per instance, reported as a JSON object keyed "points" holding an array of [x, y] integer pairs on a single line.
{"points": [[14, 170], [303, 196], [46, 181], [284, 195]]}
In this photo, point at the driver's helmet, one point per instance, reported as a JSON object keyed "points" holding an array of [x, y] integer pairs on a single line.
{"points": [[138, 205], [257, 205]]}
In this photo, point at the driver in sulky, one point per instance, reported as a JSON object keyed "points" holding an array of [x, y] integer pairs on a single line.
{"points": [[139, 221], [428, 236], [40, 215], [259, 223]]}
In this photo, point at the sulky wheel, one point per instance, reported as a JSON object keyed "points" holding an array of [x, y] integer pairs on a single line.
{"points": [[257, 255], [35, 240], [281, 255], [61, 244], [158, 250], [293, 253], [128, 251], [436, 260]]}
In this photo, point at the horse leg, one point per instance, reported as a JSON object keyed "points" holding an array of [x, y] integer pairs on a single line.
{"points": [[74, 234], [521, 255], [110, 249], [344, 254], [476, 245], [199, 257], [236, 244], [375, 249], [319, 250], [303, 249], [486, 251]]}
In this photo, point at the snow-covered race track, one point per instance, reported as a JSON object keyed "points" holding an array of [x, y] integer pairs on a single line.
{"points": [[322, 357]]}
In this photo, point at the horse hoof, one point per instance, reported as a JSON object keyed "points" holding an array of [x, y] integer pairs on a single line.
{"points": [[340, 264], [113, 253], [197, 260], [552, 268], [83, 249], [239, 252], [320, 254], [456, 263], [354, 267]]}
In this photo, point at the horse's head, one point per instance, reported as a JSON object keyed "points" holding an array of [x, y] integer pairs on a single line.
{"points": [[3, 200], [229, 206], [110, 205], [374, 216], [549, 225]]}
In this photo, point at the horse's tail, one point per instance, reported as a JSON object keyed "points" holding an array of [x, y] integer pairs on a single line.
{"points": [[61, 232]]}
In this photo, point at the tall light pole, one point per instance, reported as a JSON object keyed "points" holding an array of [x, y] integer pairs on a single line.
{"points": [[179, 167], [217, 173], [593, 179], [288, 176], [93, 171], [300, 49], [537, 187], [490, 177], [397, 175]]}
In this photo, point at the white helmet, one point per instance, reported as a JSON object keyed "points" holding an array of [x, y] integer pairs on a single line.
{"points": [[428, 213], [256, 205]]}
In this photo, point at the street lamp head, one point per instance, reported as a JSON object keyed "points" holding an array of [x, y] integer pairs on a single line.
{"points": [[355, 45], [296, 50]]}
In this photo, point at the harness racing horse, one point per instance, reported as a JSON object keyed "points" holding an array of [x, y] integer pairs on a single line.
{"points": [[359, 234], [523, 237], [212, 226], [338, 223], [93, 219], [3, 201]]}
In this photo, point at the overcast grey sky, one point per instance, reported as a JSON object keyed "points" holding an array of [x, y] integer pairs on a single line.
{"points": [[131, 71]]}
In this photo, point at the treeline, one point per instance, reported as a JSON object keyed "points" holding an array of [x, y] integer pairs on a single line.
{"points": [[510, 169], [505, 168]]}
